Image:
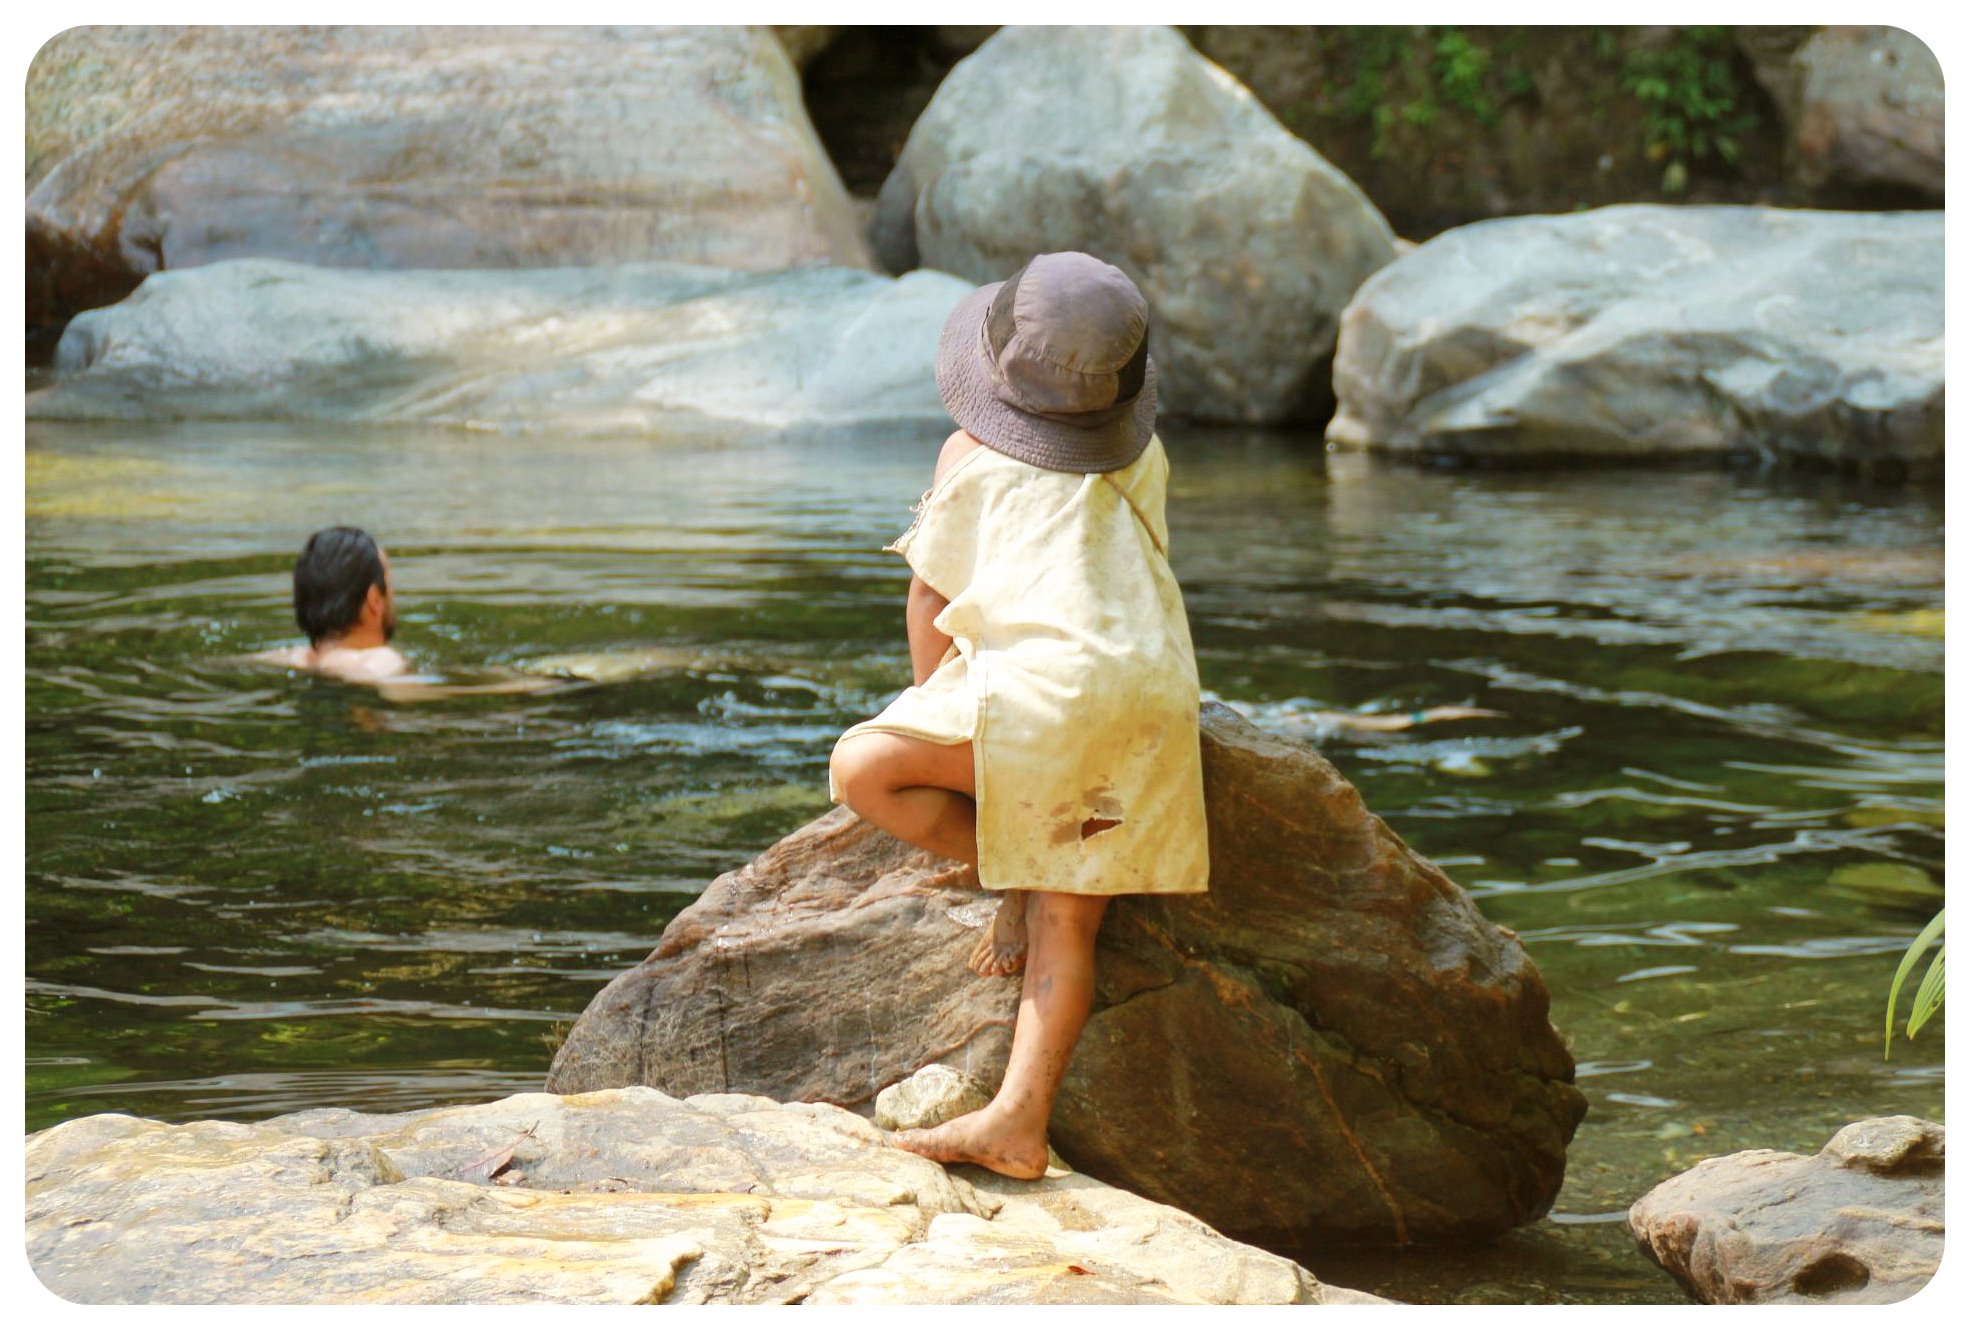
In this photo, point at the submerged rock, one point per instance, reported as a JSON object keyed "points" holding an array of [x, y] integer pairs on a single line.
{"points": [[152, 148], [1859, 1222], [1333, 1044], [1655, 333], [629, 348], [1245, 241], [623, 1196]]}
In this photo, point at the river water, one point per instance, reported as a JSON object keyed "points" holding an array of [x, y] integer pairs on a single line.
{"points": [[1712, 807]]}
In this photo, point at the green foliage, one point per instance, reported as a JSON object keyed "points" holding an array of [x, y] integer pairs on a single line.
{"points": [[1928, 998], [1415, 78], [1690, 91], [1460, 67]]}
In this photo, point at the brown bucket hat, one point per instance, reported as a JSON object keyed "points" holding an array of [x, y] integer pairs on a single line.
{"points": [[1051, 366]]}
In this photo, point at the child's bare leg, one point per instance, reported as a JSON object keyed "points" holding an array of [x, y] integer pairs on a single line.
{"points": [[921, 792], [1009, 1135], [915, 790]]}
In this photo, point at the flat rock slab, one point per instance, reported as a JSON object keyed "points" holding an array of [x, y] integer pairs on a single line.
{"points": [[1648, 333], [153, 148], [1859, 1222], [617, 1197], [1245, 241], [636, 348], [1333, 1044]]}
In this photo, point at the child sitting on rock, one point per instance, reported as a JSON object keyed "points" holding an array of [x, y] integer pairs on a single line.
{"points": [[1050, 739]]}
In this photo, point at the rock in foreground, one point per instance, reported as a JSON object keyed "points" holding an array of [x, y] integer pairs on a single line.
{"points": [[1859, 1222], [1244, 240], [631, 348], [624, 1196], [419, 147], [1332, 1044], [1655, 333]]}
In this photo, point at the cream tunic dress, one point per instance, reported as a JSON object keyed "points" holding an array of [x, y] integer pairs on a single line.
{"points": [[1071, 673]]}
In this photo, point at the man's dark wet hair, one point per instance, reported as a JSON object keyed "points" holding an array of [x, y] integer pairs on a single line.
{"points": [[332, 577]]}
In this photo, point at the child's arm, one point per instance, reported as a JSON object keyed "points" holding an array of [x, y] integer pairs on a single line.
{"points": [[927, 645]]}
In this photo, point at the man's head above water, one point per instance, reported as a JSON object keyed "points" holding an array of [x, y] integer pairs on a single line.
{"points": [[342, 593]]}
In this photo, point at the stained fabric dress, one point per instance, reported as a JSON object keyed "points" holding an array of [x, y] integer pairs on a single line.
{"points": [[1071, 673]]}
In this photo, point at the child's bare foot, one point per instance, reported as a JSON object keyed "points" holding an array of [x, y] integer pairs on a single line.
{"points": [[1002, 950], [983, 1139]]}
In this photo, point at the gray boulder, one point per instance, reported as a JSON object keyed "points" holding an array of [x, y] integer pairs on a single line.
{"points": [[418, 147], [1869, 109], [1655, 333], [1334, 1044], [619, 1197], [1863, 105], [631, 348], [1859, 1222], [1125, 143]]}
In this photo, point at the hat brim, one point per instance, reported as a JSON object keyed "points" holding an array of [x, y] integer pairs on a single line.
{"points": [[964, 382]]}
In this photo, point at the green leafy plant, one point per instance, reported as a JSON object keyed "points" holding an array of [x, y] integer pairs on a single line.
{"points": [[1690, 93], [1460, 67], [1928, 998], [1419, 78]]}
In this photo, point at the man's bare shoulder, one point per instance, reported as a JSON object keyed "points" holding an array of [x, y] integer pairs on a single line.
{"points": [[956, 448], [367, 665], [285, 658]]}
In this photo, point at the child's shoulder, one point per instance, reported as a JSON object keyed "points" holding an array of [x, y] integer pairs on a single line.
{"points": [[956, 448]]}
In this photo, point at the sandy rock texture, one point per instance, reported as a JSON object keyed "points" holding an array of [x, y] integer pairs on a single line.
{"points": [[1859, 1222], [631, 348], [1648, 333], [619, 1197], [153, 148], [1332, 1044], [1245, 241]]}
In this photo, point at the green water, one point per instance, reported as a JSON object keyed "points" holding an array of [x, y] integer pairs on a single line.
{"points": [[1712, 809]]}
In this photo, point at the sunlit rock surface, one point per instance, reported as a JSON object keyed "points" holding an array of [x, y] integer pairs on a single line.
{"points": [[155, 148], [1332, 1044], [628, 348], [1861, 1221], [1652, 333], [1245, 241], [619, 1197], [931, 1095]]}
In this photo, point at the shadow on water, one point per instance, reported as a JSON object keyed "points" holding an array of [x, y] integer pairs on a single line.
{"points": [[1712, 807]]}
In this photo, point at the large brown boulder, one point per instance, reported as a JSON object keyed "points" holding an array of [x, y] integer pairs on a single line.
{"points": [[1332, 1044], [1859, 1222], [1244, 240], [421, 147]]}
